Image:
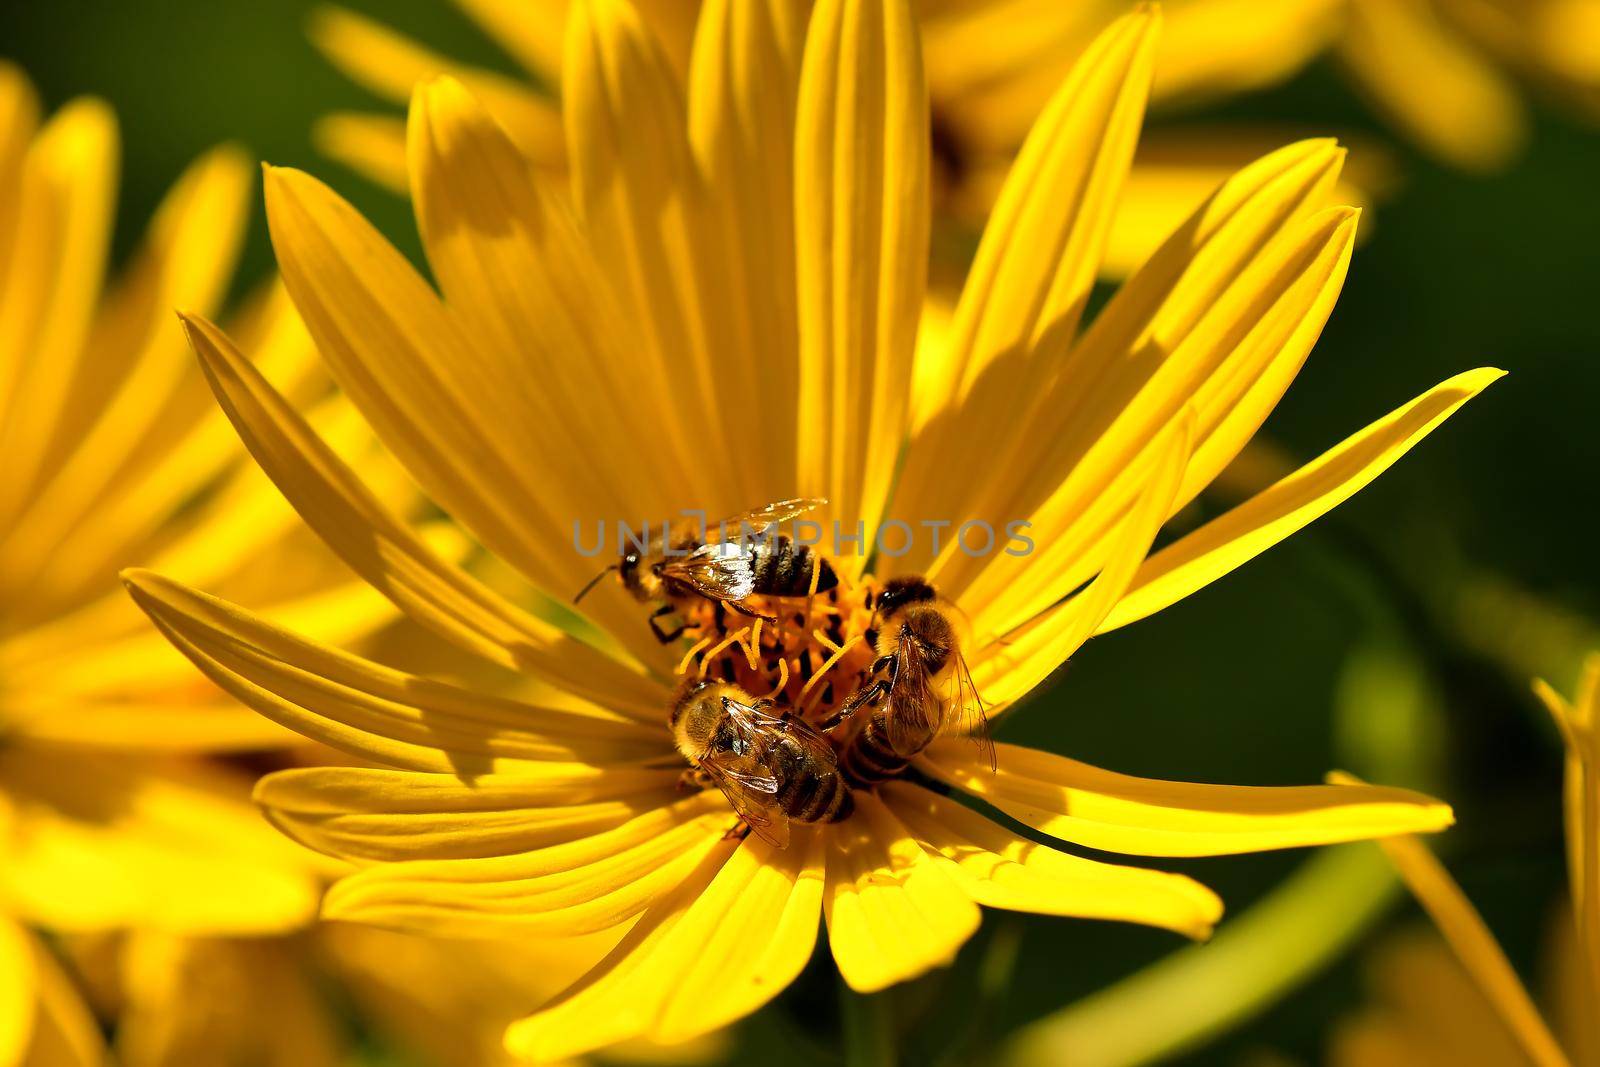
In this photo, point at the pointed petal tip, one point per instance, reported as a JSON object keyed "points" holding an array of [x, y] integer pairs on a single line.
{"points": [[136, 577], [1149, 11], [437, 89], [1433, 815], [1476, 380]]}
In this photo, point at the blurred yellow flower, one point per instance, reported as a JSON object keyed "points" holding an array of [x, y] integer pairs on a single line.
{"points": [[449, 1001], [1441, 70], [180, 1000], [115, 454], [722, 309], [1432, 1007]]}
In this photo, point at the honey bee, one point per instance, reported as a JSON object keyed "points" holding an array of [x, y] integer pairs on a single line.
{"points": [[918, 687], [737, 558], [774, 769]]}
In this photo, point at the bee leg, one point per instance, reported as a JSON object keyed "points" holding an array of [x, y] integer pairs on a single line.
{"points": [[748, 613], [661, 635], [693, 780], [870, 695], [738, 831]]}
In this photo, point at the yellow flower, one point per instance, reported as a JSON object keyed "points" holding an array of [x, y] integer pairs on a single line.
{"points": [[42, 1018], [721, 309], [180, 1000], [1441, 70], [115, 454], [449, 1001], [1431, 1007]]}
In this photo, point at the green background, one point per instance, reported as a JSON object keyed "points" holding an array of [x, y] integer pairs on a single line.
{"points": [[1238, 683]]}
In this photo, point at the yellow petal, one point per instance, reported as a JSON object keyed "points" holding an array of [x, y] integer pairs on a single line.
{"points": [[382, 815], [531, 30], [1040, 252], [19, 121], [17, 987], [861, 238], [893, 911], [1292, 934], [454, 412], [730, 939], [1008, 667], [1426, 1013], [1230, 371], [143, 669], [384, 551], [223, 1001], [1577, 722], [64, 1032], [52, 286], [390, 64], [1204, 555], [1433, 83], [180, 459], [1217, 47], [998, 869], [638, 193], [510, 257], [1121, 375], [580, 886], [105, 841], [1463, 928], [448, 1002], [993, 64], [1144, 817], [182, 726], [105, 429], [371, 711], [1174, 173], [371, 145], [744, 82], [446, 408]]}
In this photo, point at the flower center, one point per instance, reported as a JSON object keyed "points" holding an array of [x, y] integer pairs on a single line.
{"points": [[809, 661]]}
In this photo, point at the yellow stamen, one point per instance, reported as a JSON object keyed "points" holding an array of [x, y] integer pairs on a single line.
{"points": [[753, 647], [727, 643], [783, 680], [683, 664], [800, 700]]}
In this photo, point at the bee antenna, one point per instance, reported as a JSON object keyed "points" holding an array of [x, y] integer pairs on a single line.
{"points": [[595, 581]]}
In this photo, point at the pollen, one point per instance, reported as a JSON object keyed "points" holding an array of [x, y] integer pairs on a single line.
{"points": [[806, 653]]}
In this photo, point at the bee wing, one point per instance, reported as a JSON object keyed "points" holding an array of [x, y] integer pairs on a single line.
{"points": [[721, 571], [914, 711], [796, 730], [972, 718], [751, 796], [757, 520]]}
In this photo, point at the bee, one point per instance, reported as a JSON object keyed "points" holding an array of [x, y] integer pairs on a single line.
{"points": [[774, 769], [737, 558], [918, 687]]}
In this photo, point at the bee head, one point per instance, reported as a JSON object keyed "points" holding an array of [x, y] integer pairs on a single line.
{"points": [[699, 719], [901, 591], [638, 577]]}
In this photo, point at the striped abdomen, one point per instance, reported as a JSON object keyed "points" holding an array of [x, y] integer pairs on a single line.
{"points": [[870, 759], [783, 568], [811, 791]]}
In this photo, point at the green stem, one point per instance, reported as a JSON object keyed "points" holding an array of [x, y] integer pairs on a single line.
{"points": [[1204, 990], [869, 1039]]}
